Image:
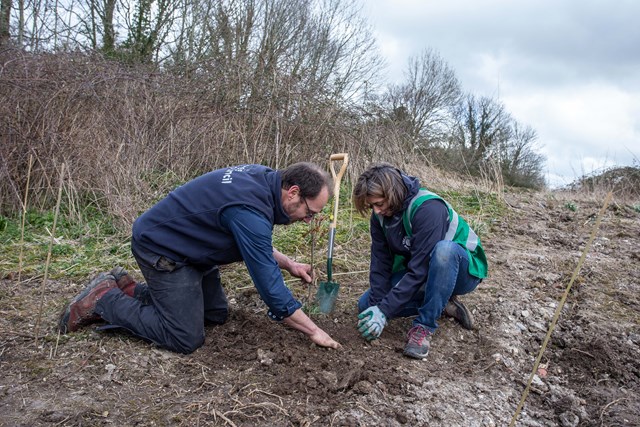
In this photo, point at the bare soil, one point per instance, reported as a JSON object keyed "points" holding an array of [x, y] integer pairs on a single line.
{"points": [[253, 371]]}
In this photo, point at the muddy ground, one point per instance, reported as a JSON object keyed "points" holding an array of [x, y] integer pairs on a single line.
{"points": [[252, 371]]}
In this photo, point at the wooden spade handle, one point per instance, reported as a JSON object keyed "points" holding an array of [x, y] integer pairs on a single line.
{"points": [[337, 177]]}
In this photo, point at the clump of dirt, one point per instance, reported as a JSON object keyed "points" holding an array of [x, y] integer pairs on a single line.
{"points": [[252, 371]]}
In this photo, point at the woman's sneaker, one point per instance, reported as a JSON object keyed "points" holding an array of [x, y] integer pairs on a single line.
{"points": [[418, 342]]}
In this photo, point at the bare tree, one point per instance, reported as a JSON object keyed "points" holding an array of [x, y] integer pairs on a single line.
{"points": [[106, 14], [147, 31], [89, 24], [423, 103], [5, 21], [20, 22], [285, 64], [521, 165], [312, 46], [487, 137], [482, 125]]}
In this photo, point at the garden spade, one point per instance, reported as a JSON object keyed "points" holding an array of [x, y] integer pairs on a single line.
{"points": [[328, 291]]}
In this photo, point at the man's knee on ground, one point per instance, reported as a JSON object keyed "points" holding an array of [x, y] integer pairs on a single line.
{"points": [[217, 317], [186, 343]]}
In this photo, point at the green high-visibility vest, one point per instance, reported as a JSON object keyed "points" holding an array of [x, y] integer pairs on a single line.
{"points": [[458, 231]]}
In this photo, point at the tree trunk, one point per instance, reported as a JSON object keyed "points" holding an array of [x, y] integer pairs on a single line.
{"points": [[5, 14]]}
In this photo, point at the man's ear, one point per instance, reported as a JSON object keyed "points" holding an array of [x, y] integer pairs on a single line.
{"points": [[294, 190]]}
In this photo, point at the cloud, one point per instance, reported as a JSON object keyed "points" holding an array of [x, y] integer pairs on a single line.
{"points": [[563, 40], [581, 128], [569, 69]]}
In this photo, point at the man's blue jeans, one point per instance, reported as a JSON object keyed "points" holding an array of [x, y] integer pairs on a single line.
{"points": [[181, 299], [448, 275]]}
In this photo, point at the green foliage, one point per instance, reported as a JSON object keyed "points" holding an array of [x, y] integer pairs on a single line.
{"points": [[571, 206], [473, 203], [635, 208], [312, 309], [80, 247], [294, 239], [91, 243], [4, 223], [479, 209]]}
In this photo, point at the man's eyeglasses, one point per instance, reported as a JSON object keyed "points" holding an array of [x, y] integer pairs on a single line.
{"points": [[310, 214]]}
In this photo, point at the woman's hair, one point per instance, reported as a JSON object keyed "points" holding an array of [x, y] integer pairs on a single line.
{"points": [[309, 177], [380, 180]]}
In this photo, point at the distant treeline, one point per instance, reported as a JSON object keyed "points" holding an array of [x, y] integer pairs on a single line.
{"points": [[136, 99]]}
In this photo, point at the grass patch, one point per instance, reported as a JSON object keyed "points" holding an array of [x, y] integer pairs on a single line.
{"points": [[479, 209], [91, 243], [80, 247], [474, 203]]}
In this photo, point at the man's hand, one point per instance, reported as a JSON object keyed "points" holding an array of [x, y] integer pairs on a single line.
{"points": [[371, 323], [298, 269], [323, 339], [300, 321]]}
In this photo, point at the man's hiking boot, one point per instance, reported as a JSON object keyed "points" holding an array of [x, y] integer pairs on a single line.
{"points": [[418, 342], [81, 311], [458, 311], [124, 281]]}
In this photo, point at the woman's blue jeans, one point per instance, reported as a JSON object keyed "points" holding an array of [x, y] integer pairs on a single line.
{"points": [[448, 275]]}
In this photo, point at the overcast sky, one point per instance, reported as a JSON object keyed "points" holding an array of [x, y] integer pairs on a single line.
{"points": [[568, 68]]}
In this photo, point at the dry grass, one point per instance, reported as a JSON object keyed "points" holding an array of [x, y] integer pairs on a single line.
{"points": [[130, 135]]}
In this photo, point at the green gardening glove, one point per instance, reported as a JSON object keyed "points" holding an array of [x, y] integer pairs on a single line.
{"points": [[371, 323]]}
